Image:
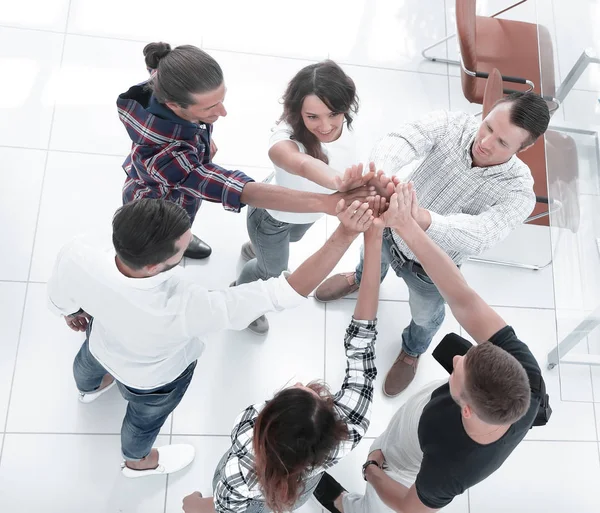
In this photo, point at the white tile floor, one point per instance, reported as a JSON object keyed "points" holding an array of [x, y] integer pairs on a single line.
{"points": [[64, 62]]}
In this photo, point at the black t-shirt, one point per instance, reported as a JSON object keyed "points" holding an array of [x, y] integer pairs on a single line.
{"points": [[452, 461]]}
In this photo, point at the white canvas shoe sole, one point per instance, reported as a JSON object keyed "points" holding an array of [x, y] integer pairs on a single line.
{"points": [[90, 397], [171, 458]]}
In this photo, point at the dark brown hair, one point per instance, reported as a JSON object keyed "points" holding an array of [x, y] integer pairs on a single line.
{"points": [[496, 385], [145, 231], [181, 72], [294, 433], [528, 111], [332, 86]]}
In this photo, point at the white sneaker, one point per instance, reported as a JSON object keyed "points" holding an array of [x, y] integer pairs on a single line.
{"points": [[90, 397], [171, 458]]}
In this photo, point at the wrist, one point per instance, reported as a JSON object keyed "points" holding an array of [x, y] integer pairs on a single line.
{"points": [[344, 235], [329, 203], [369, 467], [424, 218], [374, 234]]}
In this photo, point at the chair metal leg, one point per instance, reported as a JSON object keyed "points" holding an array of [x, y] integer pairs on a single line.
{"points": [[587, 57], [454, 62], [585, 327], [508, 263], [554, 206], [433, 58]]}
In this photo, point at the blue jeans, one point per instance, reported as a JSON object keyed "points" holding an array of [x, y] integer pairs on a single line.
{"points": [[271, 242], [258, 506], [426, 303], [147, 410]]}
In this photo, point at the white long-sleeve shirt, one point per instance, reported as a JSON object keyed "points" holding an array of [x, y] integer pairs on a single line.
{"points": [[146, 331], [472, 208]]}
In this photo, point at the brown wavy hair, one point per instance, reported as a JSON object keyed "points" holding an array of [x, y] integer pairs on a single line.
{"points": [[294, 433], [332, 86]]}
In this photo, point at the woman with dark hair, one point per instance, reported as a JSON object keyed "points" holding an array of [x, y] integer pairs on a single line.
{"points": [[280, 448], [310, 146], [169, 120]]}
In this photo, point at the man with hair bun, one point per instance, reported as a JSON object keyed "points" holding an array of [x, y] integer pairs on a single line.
{"points": [[169, 119]]}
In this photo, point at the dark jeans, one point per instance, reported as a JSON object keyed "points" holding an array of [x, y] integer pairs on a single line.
{"points": [[147, 410]]}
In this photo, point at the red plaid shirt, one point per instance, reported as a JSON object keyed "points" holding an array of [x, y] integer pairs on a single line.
{"points": [[170, 158]]}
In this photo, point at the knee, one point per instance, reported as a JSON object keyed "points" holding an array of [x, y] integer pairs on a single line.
{"points": [[429, 318]]}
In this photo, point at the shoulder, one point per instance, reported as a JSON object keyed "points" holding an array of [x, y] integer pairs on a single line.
{"points": [[281, 132], [243, 426], [80, 247], [507, 339]]}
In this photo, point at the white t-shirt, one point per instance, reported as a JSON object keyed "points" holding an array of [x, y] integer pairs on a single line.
{"points": [[146, 331], [400, 441], [341, 154]]}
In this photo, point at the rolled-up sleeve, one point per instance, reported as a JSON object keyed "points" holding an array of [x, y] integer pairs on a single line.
{"points": [[473, 234]]}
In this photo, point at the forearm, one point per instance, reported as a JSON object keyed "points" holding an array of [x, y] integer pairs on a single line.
{"points": [[317, 171], [355, 398], [368, 294], [316, 268], [389, 491], [263, 195], [471, 234]]}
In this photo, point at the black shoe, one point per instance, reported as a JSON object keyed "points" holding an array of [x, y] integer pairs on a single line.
{"points": [[327, 491], [197, 249]]}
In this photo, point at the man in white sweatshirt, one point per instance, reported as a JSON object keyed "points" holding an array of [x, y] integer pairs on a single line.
{"points": [[145, 320]]}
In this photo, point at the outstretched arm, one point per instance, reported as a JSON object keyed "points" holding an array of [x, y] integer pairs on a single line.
{"points": [[264, 195], [472, 312]]}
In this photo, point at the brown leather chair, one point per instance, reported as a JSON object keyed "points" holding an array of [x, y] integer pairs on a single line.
{"points": [[519, 50], [554, 147]]}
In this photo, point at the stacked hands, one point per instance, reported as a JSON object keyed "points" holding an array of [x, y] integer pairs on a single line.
{"points": [[373, 201]]}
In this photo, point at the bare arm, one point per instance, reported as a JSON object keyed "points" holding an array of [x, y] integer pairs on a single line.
{"points": [[287, 156], [368, 293], [395, 495], [264, 195], [472, 312], [354, 219]]}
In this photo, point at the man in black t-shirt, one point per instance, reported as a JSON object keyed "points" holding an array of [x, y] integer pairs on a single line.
{"points": [[451, 434]]}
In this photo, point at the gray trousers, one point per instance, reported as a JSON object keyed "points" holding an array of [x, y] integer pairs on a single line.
{"points": [[271, 242]]}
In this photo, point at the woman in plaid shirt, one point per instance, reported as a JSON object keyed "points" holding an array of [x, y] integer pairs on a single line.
{"points": [[280, 448]]}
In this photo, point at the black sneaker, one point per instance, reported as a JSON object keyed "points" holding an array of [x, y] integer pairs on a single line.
{"points": [[327, 491]]}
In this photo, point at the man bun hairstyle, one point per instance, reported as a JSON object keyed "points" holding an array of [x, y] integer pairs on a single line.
{"points": [[181, 72]]}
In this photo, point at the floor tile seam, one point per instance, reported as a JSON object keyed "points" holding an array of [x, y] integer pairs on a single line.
{"points": [[59, 150], [14, 370]]}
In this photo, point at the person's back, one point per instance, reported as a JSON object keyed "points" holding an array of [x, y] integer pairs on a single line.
{"points": [[139, 332]]}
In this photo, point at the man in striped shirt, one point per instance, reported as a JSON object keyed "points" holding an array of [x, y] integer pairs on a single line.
{"points": [[472, 192]]}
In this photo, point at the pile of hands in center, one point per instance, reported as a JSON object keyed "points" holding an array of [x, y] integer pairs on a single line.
{"points": [[375, 201]]}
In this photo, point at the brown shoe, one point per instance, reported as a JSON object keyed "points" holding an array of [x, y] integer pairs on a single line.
{"points": [[400, 375], [336, 287]]}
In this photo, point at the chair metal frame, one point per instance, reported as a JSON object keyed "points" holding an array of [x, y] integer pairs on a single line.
{"points": [[480, 74], [556, 205]]}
